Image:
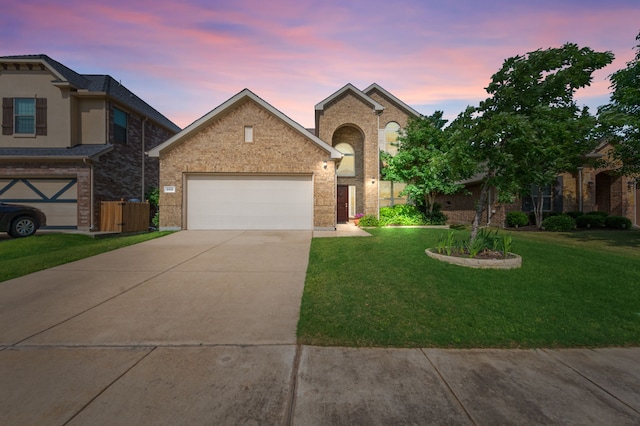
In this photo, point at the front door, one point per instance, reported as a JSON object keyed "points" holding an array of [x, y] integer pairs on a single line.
{"points": [[343, 203]]}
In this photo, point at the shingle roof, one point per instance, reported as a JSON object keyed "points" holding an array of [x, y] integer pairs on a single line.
{"points": [[203, 121], [100, 83], [76, 152]]}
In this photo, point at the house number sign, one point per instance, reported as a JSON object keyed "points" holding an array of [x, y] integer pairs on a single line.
{"points": [[169, 189]]}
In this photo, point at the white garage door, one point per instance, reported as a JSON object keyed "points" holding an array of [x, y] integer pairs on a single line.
{"points": [[249, 202]]}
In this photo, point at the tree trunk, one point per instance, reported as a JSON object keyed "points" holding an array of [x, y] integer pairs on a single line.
{"points": [[430, 199], [537, 208], [479, 210]]}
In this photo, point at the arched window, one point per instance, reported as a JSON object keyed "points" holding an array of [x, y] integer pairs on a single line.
{"points": [[391, 131], [347, 166]]}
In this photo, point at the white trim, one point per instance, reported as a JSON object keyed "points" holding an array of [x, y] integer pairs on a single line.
{"points": [[246, 93], [350, 87], [393, 98]]}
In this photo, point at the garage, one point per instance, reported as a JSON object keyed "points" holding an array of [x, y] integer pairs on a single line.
{"points": [[249, 202], [246, 165], [56, 197]]}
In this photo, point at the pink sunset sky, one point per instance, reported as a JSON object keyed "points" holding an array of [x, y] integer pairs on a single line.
{"points": [[187, 57]]}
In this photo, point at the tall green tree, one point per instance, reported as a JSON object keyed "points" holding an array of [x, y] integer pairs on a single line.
{"points": [[620, 119], [422, 161], [530, 129]]}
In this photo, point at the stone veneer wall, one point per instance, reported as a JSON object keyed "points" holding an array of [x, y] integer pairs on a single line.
{"points": [[220, 148]]}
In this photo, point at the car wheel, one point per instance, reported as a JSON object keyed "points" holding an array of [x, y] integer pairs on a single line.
{"points": [[23, 226]]}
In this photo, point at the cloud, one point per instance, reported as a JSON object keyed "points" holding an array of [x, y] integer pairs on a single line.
{"points": [[186, 57]]}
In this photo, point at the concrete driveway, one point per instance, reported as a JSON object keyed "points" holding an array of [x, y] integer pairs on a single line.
{"points": [[199, 328]]}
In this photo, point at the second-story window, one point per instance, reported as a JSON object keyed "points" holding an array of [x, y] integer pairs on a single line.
{"points": [[24, 116], [119, 126]]}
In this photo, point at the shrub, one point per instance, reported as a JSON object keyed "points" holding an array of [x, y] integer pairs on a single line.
{"points": [[601, 214], [559, 223], [575, 214], [436, 217], [153, 196], [401, 214], [617, 222], [516, 219], [590, 221], [545, 215], [369, 220]]}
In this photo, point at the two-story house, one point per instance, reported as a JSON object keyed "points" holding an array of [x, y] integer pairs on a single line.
{"points": [[70, 141]]}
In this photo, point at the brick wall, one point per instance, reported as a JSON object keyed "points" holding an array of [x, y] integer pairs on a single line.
{"points": [[220, 148], [118, 174], [350, 110]]}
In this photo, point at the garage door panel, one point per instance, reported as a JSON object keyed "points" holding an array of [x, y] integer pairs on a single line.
{"points": [[56, 197], [249, 202]]}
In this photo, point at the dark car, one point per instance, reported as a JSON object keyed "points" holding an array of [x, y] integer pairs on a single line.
{"points": [[20, 221]]}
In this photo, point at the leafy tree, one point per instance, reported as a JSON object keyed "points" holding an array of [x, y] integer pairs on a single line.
{"points": [[422, 161], [620, 118], [530, 129]]}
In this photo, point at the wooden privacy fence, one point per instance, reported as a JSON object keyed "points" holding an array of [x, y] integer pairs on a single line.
{"points": [[124, 216]]}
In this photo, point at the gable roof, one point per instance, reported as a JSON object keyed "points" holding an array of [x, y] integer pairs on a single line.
{"points": [[395, 100], [350, 87], [216, 112], [94, 83]]}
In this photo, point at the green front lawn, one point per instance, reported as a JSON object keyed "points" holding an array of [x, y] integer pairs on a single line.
{"points": [[574, 289], [23, 256]]}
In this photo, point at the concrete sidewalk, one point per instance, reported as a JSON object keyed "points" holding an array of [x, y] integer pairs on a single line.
{"points": [[199, 328]]}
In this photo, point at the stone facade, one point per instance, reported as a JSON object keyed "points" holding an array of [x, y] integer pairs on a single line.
{"points": [[218, 147]]}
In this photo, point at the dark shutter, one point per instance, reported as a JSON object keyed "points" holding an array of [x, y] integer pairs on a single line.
{"points": [[557, 195], [7, 116], [41, 116]]}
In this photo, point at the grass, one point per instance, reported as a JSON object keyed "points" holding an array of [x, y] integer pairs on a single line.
{"points": [[23, 256], [578, 289]]}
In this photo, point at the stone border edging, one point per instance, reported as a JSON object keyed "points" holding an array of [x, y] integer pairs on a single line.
{"points": [[512, 262]]}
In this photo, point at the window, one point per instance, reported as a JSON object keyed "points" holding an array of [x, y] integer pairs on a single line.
{"points": [[347, 166], [391, 132], [24, 113], [389, 193], [546, 197], [119, 126], [248, 133], [24, 116]]}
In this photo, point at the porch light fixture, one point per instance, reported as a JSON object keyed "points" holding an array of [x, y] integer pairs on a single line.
{"points": [[590, 184], [631, 185], [373, 180], [324, 164]]}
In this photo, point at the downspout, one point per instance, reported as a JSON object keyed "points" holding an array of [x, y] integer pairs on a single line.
{"points": [[635, 203], [142, 156], [489, 208], [579, 189], [91, 209], [378, 167]]}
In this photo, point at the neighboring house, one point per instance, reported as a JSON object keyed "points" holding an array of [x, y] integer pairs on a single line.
{"points": [[246, 165], [70, 141], [589, 189]]}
